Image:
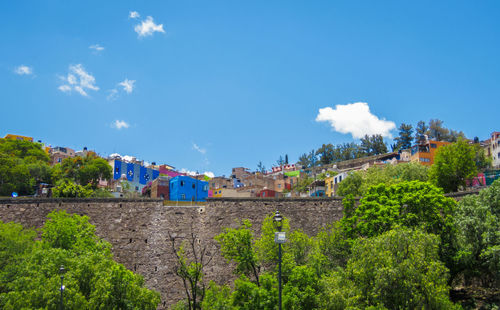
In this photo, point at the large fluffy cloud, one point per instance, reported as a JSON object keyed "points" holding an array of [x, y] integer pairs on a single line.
{"points": [[355, 119]]}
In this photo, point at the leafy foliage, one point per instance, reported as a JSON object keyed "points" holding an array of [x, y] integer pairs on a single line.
{"points": [[23, 164], [373, 145], [358, 182], [405, 138], [66, 188], [86, 170], [478, 234], [237, 245], [399, 269], [29, 269], [453, 164]]}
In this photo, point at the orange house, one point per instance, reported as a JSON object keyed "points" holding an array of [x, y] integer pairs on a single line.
{"points": [[425, 150], [18, 137]]}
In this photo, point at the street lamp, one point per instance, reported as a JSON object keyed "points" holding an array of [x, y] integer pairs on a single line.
{"points": [[61, 271], [279, 238]]}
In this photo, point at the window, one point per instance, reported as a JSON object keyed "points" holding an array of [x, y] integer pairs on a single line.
{"points": [[340, 178], [183, 196], [205, 188], [137, 188], [433, 145], [193, 186], [279, 185], [182, 183], [425, 160]]}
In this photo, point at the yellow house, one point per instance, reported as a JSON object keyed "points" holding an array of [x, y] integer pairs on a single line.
{"points": [[18, 137], [425, 150], [329, 187]]}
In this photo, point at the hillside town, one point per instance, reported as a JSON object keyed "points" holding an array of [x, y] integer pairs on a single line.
{"points": [[132, 177]]}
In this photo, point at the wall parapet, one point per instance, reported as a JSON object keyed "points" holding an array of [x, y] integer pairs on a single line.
{"points": [[31, 200]]}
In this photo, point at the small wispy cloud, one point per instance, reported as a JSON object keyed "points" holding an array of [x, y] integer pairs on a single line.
{"points": [[120, 124], [128, 85], [78, 80], [148, 27], [209, 174], [113, 94], [23, 70], [355, 119], [199, 149], [134, 14], [97, 48]]}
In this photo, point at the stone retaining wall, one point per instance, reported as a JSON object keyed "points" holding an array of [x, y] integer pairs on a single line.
{"points": [[138, 228]]}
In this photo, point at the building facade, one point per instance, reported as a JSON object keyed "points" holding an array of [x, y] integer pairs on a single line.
{"points": [[495, 149], [425, 150], [136, 174], [184, 188]]}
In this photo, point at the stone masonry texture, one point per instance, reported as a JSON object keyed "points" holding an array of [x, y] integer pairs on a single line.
{"points": [[139, 229]]}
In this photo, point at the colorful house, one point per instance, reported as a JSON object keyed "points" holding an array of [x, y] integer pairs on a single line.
{"points": [[425, 150], [18, 137], [265, 193], [136, 174], [184, 188], [331, 183]]}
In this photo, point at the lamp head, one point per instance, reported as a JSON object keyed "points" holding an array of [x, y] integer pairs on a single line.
{"points": [[278, 220]]}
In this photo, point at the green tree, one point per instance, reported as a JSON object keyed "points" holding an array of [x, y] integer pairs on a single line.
{"points": [[23, 165], [478, 234], [421, 129], [453, 164], [373, 145], [304, 161], [405, 138], [409, 204], [66, 188], [29, 270], [260, 167], [399, 269], [358, 182], [14, 176], [326, 154], [237, 244], [86, 170], [351, 185], [190, 265]]}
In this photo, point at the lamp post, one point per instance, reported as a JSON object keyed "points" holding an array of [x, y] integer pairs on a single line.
{"points": [[62, 271], [279, 238]]}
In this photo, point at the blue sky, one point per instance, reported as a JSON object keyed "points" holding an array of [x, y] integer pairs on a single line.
{"points": [[210, 85]]}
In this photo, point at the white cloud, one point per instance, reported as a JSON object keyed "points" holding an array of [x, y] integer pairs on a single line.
{"points": [[134, 14], [209, 174], [97, 48], [120, 124], [148, 27], [189, 172], [355, 119], [78, 80], [113, 94], [23, 70], [64, 88], [199, 149], [128, 85]]}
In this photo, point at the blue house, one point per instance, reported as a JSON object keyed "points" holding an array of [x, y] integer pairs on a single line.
{"points": [[137, 175], [184, 188]]}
